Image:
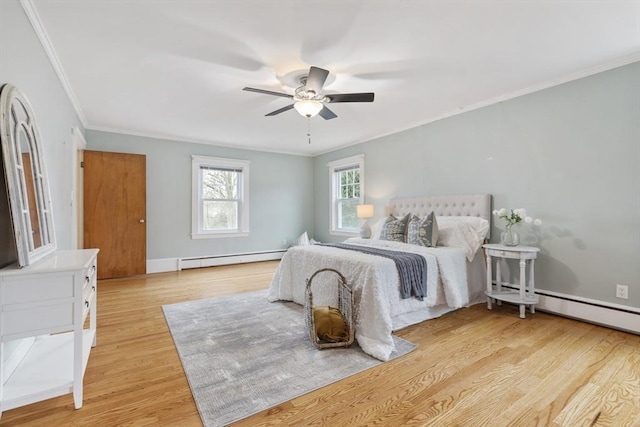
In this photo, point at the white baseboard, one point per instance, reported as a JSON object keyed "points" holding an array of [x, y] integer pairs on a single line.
{"points": [[176, 264], [602, 313], [162, 265]]}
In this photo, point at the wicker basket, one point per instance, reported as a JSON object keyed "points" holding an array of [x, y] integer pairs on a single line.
{"points": [[344, 305]]}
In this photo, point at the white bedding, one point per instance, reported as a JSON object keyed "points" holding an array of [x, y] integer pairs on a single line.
{"points": [[378, 307]]}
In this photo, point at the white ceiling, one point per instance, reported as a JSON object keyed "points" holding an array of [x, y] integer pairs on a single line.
{"points": [[176, 69]]}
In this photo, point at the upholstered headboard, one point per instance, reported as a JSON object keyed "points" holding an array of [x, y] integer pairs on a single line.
{"points": [[454, 205]]}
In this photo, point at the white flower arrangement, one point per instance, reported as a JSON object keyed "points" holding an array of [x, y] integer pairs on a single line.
{"points": [[515, 216]]}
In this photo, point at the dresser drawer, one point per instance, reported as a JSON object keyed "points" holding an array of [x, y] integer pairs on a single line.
{"points": [[503, 254], [37, 317], [88, 294], [90, 272], [26, 289]]}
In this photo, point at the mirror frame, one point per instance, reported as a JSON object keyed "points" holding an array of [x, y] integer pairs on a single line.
{"points": [[13, 106]]}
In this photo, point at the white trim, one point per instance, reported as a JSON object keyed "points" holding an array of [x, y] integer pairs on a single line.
{"points": [[337, 164], [215, 260], [620, 62], [38, 27], [602, 313], [616, 319], [77, 197], [217, 235], [175, 138], [590, 301], [243, 214], [162, 265], [176, 264], [347, 161], [345, 233], [78, 138]]}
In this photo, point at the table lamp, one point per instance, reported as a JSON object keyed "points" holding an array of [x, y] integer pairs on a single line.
{"points": [[364, 212]]}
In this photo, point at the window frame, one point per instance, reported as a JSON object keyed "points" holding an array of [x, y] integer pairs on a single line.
{"points": [[197, 164], [335, 167]]}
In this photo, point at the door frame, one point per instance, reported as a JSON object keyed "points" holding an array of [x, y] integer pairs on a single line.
{"points": [[77, 188]]}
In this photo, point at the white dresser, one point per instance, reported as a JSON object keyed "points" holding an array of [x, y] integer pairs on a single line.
{"points": [[43, 309]]}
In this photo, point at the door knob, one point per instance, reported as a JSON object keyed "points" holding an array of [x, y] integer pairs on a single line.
{"points": [[142, 221]]}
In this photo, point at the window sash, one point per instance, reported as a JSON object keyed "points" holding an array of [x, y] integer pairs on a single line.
{"points": [[226, 215], [237, 185], [219, 211], [347, 190]]}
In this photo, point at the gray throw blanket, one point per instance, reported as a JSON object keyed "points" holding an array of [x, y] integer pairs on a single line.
{"points": [[412, 268]]}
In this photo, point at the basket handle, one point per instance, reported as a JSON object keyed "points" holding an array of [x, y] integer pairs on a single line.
{"points": [[310, 279]]}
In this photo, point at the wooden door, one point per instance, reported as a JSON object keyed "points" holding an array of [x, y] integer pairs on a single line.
{"points": [[115, 212]]}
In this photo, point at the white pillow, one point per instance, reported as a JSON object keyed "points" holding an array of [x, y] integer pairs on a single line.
{"points": [[303, 240], [466, 232], [376, 230]]}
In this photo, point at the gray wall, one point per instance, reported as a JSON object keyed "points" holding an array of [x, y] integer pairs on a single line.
{"points": [[281, 195], [24, 63], [570, 155]]}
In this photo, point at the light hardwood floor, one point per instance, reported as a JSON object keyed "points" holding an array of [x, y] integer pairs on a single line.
{"points": [[473, 367]]}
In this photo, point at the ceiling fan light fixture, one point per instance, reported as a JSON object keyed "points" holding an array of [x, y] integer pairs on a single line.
{"points": [[308, 107]]}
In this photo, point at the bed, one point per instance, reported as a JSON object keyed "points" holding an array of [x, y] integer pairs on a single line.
{"points": [[455, 270]]}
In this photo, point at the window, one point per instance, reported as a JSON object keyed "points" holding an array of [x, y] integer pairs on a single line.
{"points": [[347, 192], [220, 197]]}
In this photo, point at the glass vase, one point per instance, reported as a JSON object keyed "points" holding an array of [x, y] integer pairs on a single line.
{"points": [[509, 237]]}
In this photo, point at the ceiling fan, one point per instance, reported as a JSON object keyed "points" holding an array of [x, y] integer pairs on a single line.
{"points": [[309, 100]]}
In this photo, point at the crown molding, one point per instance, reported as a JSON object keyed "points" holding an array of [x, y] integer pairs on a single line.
{"points": [[174, 138], [36, 23], [610, 65], [38, 27]]}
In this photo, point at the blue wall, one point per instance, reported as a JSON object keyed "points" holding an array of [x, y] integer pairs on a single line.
{"points": [[570, 155], [281, 195]]}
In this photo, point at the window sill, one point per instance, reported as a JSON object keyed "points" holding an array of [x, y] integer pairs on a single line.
{"points": [[219, 235], [344, 233]]}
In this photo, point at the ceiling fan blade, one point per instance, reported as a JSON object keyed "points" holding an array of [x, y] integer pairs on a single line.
{"points": [[326, 113], [281, 110], [316, 78], [267, 92], [351, 97]]}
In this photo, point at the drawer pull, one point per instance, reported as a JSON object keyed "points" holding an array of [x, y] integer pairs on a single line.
{"points": [[86, 303], [93, 288]]}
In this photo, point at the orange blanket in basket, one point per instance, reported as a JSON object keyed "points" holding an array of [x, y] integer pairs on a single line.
{"points": [[330, 324]]}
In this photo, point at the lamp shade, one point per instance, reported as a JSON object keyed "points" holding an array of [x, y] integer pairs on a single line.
{"points": [[364, 211], [308, 108]]}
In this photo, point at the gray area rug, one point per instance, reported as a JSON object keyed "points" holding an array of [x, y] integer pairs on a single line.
{"points": [[243, 354]]}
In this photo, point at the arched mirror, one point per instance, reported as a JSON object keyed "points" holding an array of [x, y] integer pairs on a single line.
{"points": [[26, 177]]}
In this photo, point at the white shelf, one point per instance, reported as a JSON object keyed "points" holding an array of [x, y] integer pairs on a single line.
{"points": [[46, 371], [513, 297]]}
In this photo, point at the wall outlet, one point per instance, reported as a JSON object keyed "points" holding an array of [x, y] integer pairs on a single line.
{"points": [[622, 291]]}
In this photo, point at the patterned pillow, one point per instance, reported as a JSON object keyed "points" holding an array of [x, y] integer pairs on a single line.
{"points": [[395, 229], [423, 231]]}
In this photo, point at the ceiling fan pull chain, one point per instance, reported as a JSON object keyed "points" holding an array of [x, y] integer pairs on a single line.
{"points": [[309, 129]]}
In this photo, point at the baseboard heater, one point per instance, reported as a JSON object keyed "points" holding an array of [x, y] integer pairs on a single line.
{"points": [[214, 260], [591, 311]]}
